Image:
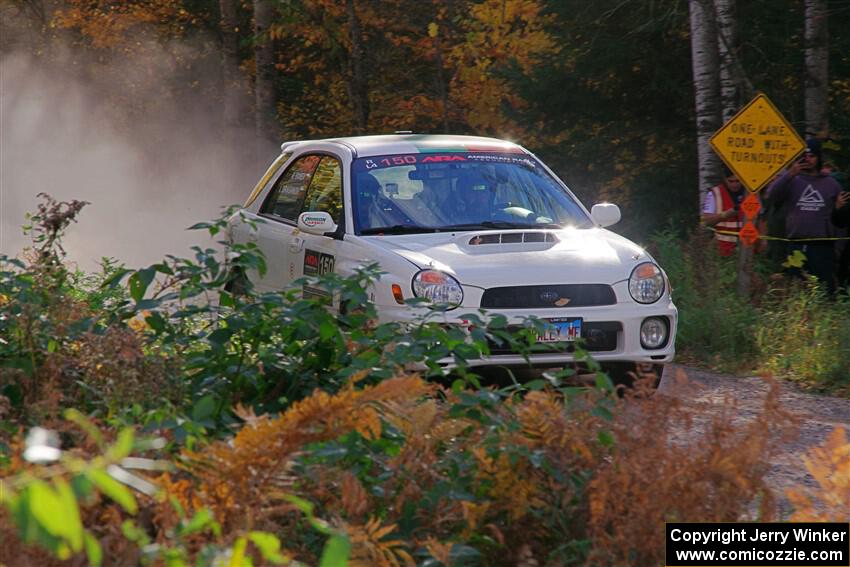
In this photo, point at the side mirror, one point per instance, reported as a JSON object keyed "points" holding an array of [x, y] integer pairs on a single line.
{"points": [[316, 223], [605, 214]]}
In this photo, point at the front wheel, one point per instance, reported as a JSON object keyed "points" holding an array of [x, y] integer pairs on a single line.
{"points": [[641, 378]]}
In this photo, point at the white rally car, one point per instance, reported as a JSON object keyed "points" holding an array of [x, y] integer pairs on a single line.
{"points": [[475, 223]]}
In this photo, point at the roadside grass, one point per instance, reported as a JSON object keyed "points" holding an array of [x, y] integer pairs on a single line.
{"points": [[787, 328], [715, 325], [804, 336]]}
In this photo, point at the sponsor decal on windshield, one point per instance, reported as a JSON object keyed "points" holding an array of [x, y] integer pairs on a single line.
{"points": [[503, 158], [442, 159], [382, 162]]}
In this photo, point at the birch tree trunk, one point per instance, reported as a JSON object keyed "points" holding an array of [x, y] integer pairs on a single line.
{"points": [[731, 91], [706, 89], [817, 71], [264, 97], [232, 79], [358, 86], [727, 48]]}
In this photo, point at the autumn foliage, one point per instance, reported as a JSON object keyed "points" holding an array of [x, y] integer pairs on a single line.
{"points": [[378, 466], [408, 470], [829, 464]]}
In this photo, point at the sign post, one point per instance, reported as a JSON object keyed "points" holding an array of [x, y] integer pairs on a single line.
{"points": [[755, 144]]}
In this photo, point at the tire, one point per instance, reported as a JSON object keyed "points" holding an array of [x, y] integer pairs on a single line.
{"points": [[635, 378]]}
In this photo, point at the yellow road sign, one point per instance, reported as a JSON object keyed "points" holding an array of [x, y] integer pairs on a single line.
{"points": [[757, 143]]}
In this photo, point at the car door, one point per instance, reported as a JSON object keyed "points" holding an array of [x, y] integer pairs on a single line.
{"points": [[279, 212], [317, 254]]}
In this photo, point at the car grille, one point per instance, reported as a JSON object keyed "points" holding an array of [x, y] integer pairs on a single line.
{"points": [[546, 296], [598, 336]]}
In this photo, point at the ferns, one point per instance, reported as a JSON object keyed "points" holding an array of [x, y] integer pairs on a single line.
{"points": [[243, 473], [370, 546], [359, 464], [829, 464]]}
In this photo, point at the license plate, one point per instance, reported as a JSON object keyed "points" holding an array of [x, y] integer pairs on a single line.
{"points": [[561, 331]]}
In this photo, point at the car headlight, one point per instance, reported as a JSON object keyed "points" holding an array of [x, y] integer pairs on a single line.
{"points": [[646, 284], [439, 287]]}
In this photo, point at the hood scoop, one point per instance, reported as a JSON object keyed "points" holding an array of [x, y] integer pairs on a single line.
{"points": [[535, 237], [513, 241]]}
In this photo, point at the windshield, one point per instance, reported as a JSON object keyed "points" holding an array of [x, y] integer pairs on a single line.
{"points": [[432, 192]]}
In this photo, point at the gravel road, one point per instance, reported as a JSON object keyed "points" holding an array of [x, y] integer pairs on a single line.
{"points": [[818, 414]]}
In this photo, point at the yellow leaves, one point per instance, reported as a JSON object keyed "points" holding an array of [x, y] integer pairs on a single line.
{"points": [[440, 551], [138, 323], [433, 29], [416, 422], [509, 483], [511, 29], [241, 481], [499, 32], [676, 462], [473, 514], [355, 500], [107, 24], [795, 260], [276, 32], [545, 425], [829, 464], [370, 548], [538, 416], [368, 424], [261, 453]]}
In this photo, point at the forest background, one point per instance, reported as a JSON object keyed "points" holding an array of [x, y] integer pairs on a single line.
{"points": [[149, 416], [602, 91]]}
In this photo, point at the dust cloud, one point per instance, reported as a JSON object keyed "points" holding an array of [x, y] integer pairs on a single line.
{"points": [[148, 175]]}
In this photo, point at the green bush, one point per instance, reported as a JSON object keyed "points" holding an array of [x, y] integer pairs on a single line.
{"points": [[294, 421], [787, 327], [130, 344], [715, 325]]}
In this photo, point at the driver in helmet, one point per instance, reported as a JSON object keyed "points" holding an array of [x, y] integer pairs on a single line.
{"points": [[476, 195]]}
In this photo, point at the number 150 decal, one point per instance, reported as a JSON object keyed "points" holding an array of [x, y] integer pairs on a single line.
{"points": [[317, 263]]}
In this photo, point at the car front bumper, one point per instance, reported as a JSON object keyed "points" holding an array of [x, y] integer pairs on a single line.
{"points": [[622, 319]]}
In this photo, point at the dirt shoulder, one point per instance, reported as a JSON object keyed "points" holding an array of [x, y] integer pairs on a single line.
{"points": [[818, 414]]}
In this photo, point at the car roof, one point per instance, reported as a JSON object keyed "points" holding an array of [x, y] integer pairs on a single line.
{"points": [[364, 146]]}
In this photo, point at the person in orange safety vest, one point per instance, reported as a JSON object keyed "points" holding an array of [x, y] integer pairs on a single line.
{"points": [[721, 211]]}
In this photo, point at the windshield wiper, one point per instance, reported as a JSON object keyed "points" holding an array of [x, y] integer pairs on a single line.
{"points": [[398, 229]]}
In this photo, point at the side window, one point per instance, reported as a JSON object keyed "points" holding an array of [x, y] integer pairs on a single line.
{"points": [[286, 198], [325, 192], [261, 184]]}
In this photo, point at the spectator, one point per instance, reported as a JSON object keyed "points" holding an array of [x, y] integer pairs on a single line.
{"points": [[772, 220], [841, 219], [721, 211], [807, 199]]}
